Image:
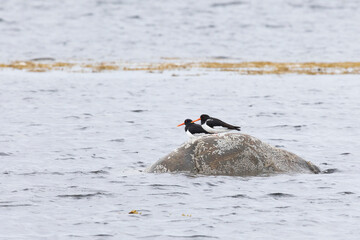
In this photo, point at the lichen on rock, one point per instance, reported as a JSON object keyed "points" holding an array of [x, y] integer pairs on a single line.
{"points": [[231, 154]]}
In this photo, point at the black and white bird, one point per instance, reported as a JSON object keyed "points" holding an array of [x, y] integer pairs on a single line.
{"points": [[193, 129], [214, 125]]}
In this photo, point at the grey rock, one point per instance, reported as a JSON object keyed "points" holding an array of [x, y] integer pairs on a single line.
{"points": [[231, 154]]}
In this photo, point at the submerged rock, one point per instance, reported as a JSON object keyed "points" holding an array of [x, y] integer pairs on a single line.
{"points": [[231, 154]]}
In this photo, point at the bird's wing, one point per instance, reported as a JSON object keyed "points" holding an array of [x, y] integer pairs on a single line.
{"points": [[214, 122], [196, 128]]}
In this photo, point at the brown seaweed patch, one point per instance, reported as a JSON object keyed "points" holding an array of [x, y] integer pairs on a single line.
{"points": [[245, 68], [311, 68], [37, 66], [256, 68], [33, 66], [100, 67], [160, 67]]}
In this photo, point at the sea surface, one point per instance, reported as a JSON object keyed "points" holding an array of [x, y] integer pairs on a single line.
{"points": [[74, 147], [140, 30]]}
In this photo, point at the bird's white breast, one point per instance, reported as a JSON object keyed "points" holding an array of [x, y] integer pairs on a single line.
{"points": [[216, 129], [194, 135], [189, 134], [207, 128]]}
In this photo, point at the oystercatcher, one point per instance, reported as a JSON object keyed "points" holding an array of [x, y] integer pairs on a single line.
{"points": [[214, 125], [192, 129]]}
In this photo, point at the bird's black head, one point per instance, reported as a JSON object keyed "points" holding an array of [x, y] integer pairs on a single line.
{"points": [[187, 122], [204, 117]]}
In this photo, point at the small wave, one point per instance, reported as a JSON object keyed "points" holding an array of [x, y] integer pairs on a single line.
{"points": [[40, 173], [103, 235], [291, 126], [193, 236], [65, 158], [274, 26], [134, 17], [82, 128], [278, 194], [117, 140], [165, 185], [42, 59], [138, 110], [170, 194], [228, 4], [81, 196], [99, 172], [72, 117], [152, 236], [280, 139], [3, 154], [238, 196], [330, 170], [320, 7], [15, 205], [346, 193], [90, 172]]}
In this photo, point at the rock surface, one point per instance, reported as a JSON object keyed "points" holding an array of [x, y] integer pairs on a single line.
{"points": [[231, 154]]}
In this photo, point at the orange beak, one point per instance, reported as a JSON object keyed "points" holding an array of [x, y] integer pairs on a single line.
{"points": [[196, 120], [180, 124]]}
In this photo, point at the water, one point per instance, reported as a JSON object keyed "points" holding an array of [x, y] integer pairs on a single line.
{"points": [[74, 148], [105, 30]]}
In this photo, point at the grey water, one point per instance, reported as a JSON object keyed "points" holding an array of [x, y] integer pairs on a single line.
{"points": [[74, 147], [137, 30]]}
